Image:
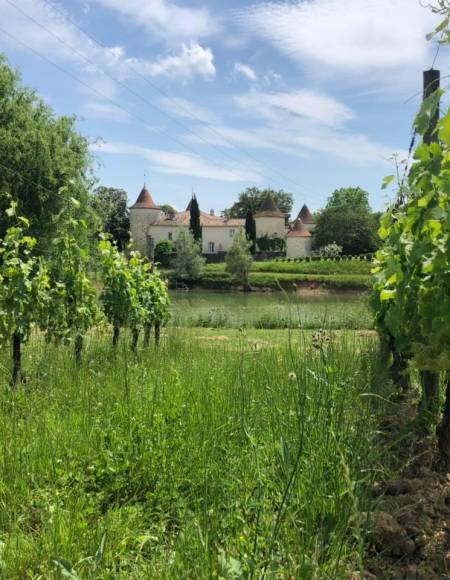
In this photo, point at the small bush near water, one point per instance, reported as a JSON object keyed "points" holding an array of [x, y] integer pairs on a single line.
{"points": [[194, 460]]}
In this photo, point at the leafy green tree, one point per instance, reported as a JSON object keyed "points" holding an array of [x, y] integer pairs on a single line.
{"points": [[23, 288], [252, 198], [239, 259], [111, 206], [164, 251], [167, 208], [188, 261], [194, 220], [250, 229], [39, 154], [347, 220]]}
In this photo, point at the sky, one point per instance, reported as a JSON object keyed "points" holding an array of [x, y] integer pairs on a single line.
{"points": [[215, 96]]}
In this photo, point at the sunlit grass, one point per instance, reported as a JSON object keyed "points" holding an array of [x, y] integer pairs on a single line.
{"points": [[189, 461]]}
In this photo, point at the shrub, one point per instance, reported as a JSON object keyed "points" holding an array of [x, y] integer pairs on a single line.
{"points": [[164, 253], [188, 262]]}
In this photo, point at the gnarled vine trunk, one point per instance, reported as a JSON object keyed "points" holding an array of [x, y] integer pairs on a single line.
{"points": [[147, 332], [134, 339], [78, 348], [398, 370], [429, 404], [17, 359], [443, 430], [157, 333], [116, 334]]}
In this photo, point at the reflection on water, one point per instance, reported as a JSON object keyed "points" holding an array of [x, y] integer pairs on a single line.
{"points": [[270, 310]]}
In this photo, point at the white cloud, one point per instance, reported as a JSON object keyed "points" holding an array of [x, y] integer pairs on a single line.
{"points": [[187, 109], [192, 60], [166, 19], [246, 71], [53, 35], [107, 111], [303, 103], [299, 127], [182, 163], [345, 35]]}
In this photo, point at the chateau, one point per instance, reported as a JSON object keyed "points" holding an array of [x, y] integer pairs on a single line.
{"points": [[149, 224]]}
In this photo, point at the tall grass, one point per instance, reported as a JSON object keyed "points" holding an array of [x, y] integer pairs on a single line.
{"points": [[188, 461], [275, 310]]}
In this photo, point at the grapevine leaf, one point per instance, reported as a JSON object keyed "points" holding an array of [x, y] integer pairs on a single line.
{"points": [[387, 181]]}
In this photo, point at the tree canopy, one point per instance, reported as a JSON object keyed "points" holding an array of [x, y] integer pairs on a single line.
{"points": [[348, 221], [40, 153], [252, 198], [111, 206]]}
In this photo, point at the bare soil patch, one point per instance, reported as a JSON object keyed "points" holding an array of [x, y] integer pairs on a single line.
{"points": [[411, 527]]}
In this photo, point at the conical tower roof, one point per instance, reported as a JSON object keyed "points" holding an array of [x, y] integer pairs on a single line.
{"points": [[269, 207], [299, 230], [305, 215], [145, 200]]}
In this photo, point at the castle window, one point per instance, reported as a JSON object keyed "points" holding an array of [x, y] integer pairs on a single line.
{"points": [[231, 233], [210, 247], [169, 235]]}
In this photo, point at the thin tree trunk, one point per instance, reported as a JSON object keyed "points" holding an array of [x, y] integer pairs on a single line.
{"points": [[78, 348], [157, 333], [443, 430], [147, 332], [116, 333], [134, 339], [17, 359], [429, 404]]}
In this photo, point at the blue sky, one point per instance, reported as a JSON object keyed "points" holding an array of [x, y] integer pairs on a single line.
{"points": [[214, 96]]}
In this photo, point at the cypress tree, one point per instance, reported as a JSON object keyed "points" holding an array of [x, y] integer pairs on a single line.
{"points": [[194, 221], [250, 229]]}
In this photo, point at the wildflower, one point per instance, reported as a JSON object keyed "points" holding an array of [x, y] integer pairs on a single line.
{"points": [[292, 376]]}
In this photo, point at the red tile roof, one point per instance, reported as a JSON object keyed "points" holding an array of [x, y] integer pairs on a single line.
{"points": [[298, 230], [182, 218], [145, 200]]}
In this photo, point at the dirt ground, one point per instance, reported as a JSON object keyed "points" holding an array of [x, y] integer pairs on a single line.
{"points": [[411, 527]]}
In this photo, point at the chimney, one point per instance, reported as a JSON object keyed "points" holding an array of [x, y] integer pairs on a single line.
{"points": [[211, 212]]}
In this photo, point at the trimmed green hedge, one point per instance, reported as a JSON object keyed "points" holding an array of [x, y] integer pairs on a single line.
{"points": [[327, 267]]}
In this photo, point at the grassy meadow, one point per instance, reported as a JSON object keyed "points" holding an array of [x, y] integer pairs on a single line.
{"points": [[201, 458]]}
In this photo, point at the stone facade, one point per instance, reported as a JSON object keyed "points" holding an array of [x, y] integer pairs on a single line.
{"points": [[149, 225]]}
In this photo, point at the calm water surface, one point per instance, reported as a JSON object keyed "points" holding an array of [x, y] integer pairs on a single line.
{"points": [[270, 310]]}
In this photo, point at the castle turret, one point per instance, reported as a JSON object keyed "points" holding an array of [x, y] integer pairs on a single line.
{"points": [[143, 214], [270, 220], [305, 216], [298, 240]]}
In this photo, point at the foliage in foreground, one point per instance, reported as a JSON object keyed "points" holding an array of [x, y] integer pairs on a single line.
{"points": [[411, 297], [192, 462]]}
